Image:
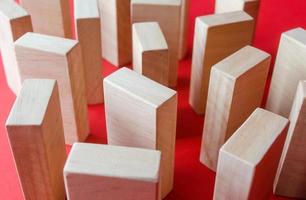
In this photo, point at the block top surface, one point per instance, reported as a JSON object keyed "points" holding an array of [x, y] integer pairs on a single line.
{"points": [[157, 2], [11, 10], [302, 86], [114, 161], [87, 9], [297, 35]]}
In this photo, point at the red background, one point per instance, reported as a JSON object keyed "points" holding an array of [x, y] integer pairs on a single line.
{"points": [[192, 179]]}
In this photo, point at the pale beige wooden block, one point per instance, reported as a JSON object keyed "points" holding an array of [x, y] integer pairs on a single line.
{"points": [[36, 137], [183, 41], [14, 22], [88, 32], [150, 52], [168, 14], [216, 37], [289, 69], [142, 113], [248, 160], [42, 56], [95, 171], [236, 89]]}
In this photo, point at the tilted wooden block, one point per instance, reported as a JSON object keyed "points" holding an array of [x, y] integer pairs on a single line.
{"points": [[183, 41], [142, 113], [14, 22], [248, 160], [88, 32], [94, 171], [36, 136], [216, 37], [236, 88], [42, 56]]}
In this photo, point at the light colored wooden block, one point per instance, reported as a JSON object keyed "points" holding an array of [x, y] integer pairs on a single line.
{"points": [[88, 32], [14, 22], [289, 69], [42, 56], [290, 180], [150, 52], [36, 137], [248, 160], [236, 88], [169, 19], [142, 113], [94, 171], [183, 41]]}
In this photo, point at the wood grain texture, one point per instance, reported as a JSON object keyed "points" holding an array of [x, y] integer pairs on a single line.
{"points": [[36, 136], [248, 160], [183, 41]]}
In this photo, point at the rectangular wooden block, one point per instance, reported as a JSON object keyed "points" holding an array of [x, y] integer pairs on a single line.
{"points": [[216, 37], [236, 89], [42, 56], [14, 22], [94, 171], [248, 160], [142, 113], [36, 137], [88, 32], [183, 41], [150, 52]]}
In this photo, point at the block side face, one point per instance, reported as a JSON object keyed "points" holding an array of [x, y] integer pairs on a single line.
{"points": [[252, 7], [86, 9], [137, 52], [11, 10], [183, 41]]}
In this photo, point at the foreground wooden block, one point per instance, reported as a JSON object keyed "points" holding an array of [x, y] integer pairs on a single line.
{"points": [[236, 89], [183, 41], [142, 113], [216, 37], [42, 56], [248, 160], [36, 137], [88, 31], [14, 22], [108, 172]]}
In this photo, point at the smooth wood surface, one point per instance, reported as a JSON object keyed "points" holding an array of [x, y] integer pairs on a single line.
{"points": [[183, 41], [236, 89], [42, 56], [95, 171], [216, 37], [142, 113], [36, 136], [248, 160]]}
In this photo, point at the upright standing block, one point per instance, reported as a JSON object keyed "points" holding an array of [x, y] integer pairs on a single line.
{"points": [[168, 14], [88, 31], [236, 88], [57, 58], [142, 113], [14, 22], [248, 160], [36, 136], [216, 37], [183, 41], [94, 171]]}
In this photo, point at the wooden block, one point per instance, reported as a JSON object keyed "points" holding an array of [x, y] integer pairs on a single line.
{"points": [[14, 22], [216, 37], [42, 56], [248, 160], [36, 137], [88, 31], [150, 52], [183, 41], [289, 69], [169, 19], [116, 31], [236, 89], [290, 180], [142, 113], [94, 171]]}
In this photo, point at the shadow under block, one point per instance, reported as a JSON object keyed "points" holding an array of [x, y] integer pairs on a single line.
{"points": [[289, 69], [14, 22], [216, 37], [42, 56], [236, 89], [150, 52], [168, 14], [142, 113], [88, 32], [36, 138], [248, 160], [183, 41], [290, 180], [95, 171]]}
